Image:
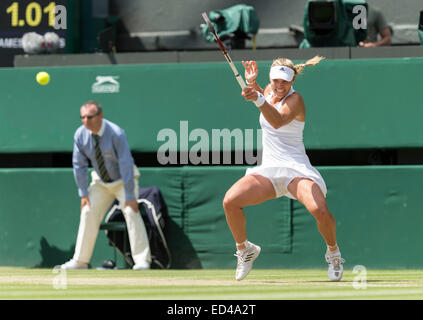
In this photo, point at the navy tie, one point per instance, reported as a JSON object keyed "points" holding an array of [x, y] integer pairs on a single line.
{"points": [[100, 161]]}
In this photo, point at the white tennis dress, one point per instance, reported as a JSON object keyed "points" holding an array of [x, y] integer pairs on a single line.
{"points": [[284, 157]]}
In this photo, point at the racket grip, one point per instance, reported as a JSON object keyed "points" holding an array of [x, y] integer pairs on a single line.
{"points": [[240, 81]]}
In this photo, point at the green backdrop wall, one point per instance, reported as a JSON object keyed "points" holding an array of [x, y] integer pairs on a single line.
{"points": [[350, 103], [378, 213]]}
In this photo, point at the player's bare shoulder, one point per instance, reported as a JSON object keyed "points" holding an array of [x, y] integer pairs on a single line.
{"points": [[295, 98], [296, 102]]}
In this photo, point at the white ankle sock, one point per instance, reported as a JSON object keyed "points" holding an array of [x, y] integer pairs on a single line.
{"points": [[245, 243], [335, 253], [330, 247]]}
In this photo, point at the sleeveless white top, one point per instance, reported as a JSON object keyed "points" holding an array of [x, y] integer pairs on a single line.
{"points": [[283, 145], [284, 157]]}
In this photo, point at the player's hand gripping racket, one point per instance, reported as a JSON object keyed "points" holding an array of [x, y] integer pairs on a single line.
{"points": [[225, 53]]}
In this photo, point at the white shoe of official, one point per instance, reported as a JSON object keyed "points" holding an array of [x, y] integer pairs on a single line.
{"points": [[245, 260], [141, 266], [74, 265], [335, 269]]}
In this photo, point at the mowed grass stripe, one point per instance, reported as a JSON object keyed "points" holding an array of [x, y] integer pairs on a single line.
{"points": [[22, 283], [209, 293]]}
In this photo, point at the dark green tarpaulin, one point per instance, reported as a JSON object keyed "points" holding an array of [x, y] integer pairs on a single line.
{"points": [[240, 18]]}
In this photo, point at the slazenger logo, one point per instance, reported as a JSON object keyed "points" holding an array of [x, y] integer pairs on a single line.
{"points": [[106, 84]]}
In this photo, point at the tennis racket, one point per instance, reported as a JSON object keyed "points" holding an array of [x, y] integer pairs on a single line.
{"points": [[225, 53]]}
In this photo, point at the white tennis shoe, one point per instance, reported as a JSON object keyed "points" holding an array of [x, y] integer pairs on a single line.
{"points": [[335, 269], [245, 260], [74, 265], [141, 266]]}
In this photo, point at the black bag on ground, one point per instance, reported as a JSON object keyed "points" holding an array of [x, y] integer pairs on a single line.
{"points": [[154, 212]]}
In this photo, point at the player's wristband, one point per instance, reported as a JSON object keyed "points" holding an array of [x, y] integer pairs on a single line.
{"points": [[260, 100], [250, 82]]}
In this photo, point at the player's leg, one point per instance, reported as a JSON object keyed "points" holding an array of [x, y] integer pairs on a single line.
{"points": [[312, 197], [249, 190]]}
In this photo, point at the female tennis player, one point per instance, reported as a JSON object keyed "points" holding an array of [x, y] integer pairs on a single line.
{"points": [[285, 168]]}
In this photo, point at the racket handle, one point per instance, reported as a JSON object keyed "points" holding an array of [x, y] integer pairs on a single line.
{"points": [[240, 81]]}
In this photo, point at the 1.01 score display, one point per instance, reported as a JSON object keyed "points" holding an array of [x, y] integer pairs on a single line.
{"points": [[31, 14]]}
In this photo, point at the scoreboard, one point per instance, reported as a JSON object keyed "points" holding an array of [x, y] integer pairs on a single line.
{"points": [[18, 17]]}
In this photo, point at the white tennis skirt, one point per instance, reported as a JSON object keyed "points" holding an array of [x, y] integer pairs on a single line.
{"points": [[281, 177]]}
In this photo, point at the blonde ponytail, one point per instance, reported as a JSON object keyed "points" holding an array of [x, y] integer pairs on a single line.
{"points": [[311, 62]]}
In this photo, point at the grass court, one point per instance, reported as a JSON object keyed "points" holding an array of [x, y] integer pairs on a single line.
{"points": [[261, 284]]}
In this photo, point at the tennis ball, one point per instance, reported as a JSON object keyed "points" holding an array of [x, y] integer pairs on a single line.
{"points": [[43, 78]]}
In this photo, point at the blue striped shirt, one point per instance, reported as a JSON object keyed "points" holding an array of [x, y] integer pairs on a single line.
{"points": [[116, 154]]}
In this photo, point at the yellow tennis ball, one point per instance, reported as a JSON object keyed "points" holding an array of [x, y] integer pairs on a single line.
{"points": [[43, 78]]}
